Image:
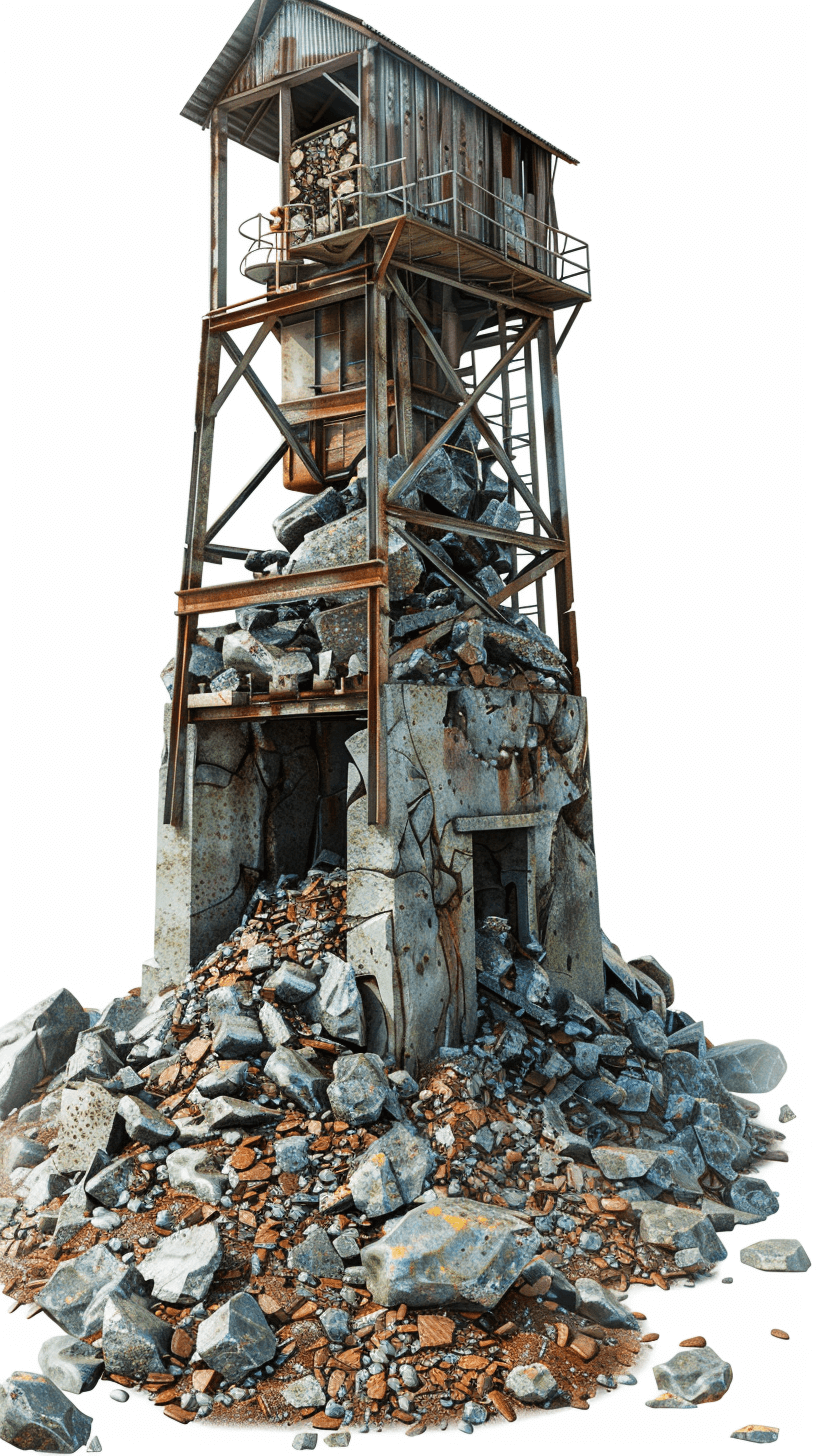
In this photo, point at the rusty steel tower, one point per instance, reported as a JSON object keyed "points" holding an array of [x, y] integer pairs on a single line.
{"points": [[411, 277]]}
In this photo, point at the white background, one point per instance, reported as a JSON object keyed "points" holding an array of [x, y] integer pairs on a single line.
{"points": [[684, 391]]}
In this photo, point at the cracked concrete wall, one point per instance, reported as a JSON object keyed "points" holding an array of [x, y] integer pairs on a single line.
{"points": [[464, 762]]}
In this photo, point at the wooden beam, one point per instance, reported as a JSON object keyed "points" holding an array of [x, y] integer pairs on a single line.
{"points": [[556, 478], [389, 250], [290, 78], [218, 209], [377, 531], [274, 411]]}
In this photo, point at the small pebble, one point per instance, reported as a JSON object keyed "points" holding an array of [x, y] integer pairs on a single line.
{"points": [[786, 1114], [760, 1435], [780, 1334], [304, 1441], [697, 1342], [729, 1280], [120, 1395], [465, 1427], [627, 1379]]}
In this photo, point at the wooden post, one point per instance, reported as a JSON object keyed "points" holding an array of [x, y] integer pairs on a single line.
{"points": [[557, 481], [400, 334], [377, 531], [285, 148], [218, 209]]}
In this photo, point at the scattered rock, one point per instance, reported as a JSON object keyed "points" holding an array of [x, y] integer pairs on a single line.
{"points": [[316, 1255], [193, 1170], [338, 1005], [667, 1401], [71, 1364], [89, 1119], [780, 1334], [134, 1342], [776, 1256], [680, 1228], [144, 1124], [391, 1172], [296, 1076], [236, 1338], [697, 1375], [760, 1435], [748, 1066], [599, 1304], [77, 1292], [181, 1268], [36, 1416], [305, 1394], [532, 1384], [361, 1091]]}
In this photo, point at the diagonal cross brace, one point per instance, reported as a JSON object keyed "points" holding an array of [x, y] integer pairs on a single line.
{"points": [[246, 360], [246, 491], [478, 418], [274, 411]]}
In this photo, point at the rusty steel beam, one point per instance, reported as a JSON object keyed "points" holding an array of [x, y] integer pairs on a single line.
{"points": [[557, 483], [218, 209], [568, 325], [460, 415], [377, 531], [530, 575], [246, 491], [274, 411], [289, 78], [357, 576], [453, 576], [311, 707], [240, 369], [460, 527]]}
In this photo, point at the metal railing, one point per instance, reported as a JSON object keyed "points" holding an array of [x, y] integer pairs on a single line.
{"points": [[448, 200]]}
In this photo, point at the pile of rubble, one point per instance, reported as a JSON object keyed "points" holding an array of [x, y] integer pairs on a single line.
{"points": [[323, 171], [438, 634], [221, 1197]]}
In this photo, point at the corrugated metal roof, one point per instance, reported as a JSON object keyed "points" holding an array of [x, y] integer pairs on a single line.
{"points": [[257, 20]]}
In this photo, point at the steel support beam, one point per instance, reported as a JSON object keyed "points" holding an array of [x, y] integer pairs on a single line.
{"points": [[377, 532], [274, 411], [557, 482]]}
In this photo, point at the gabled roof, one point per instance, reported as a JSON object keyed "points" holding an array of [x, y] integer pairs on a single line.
{"points": [[257, 21]]}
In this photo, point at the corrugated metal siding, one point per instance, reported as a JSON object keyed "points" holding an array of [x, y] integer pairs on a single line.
{"points": [[299, 36]]}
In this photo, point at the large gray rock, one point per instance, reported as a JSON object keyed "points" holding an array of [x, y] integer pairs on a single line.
{"points": [[181, 1268], [144, 1124], [751, 1195], [308, 514], [361, 1090], [316, 1255], [776, 1256], [108, 1185], [120, 1015], [698, 1375], [344, 542], [72, 1216], [89, 1119], [274, 1026], [36, 1416], [236, 1338], [748, 1066], [194, 1170], [21, 1068], [392, 1171], [292, 1154], [232, 1112], [23, 1152], [226, 1082], [134, 1341], [92, 1057], [532, 1384], [237, 1037], [648, 1036], [291, 984], [42, 1184], [298, 1079], [76, 1294], [56, 1022], [451, 1251], [680, 1228], [246, 654], [71, 1364], [337, 1002], [599, 1304], [668, 1166]]}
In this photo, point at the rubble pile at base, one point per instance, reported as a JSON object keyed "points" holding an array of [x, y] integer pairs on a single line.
{"points": [[438, 633], [223, 1198]]}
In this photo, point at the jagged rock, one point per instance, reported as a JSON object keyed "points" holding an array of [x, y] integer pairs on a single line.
{"points": [[759, 1435], [8, 1211], [748, 1066], [599, 1304], [786, 1114], [305, 1393], [120, 1016], [298, 1079], [134, 1342], [337, 1002], [667, 1401], [647, 1035], [72, 1216], [55, 1022], [205, 664], [231, 1112], [23, 1152], [667, 1167], [655, 972], [236, 1338], [307, 514], [752, 1195], [336, 1325], [274, 1026], [680, 1228], [392, 1171], [404, 1083], [93, 1057], [361, 1090], [343, 542], [532, 1384], [112, 1181], [21, 1067], [292, 1154], [144, 1124], [76, 1294], [224, 1082], [88, 1119], [193, 1170], [291, 985], [237, 1036], [181, 1268], [776, 1256], [450, 1251], [36, 1416], [698, 1375], [71, 1364], [246, 654], [42, 1184], [316, 1255]]}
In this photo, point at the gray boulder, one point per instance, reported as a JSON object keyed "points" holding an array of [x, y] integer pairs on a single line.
{"points": [[42, 1184], [228, 1082], [648, 1036], [36, 1416], [236, 1338], [246, 654], [8, 1211], [71, 1364], [680, 1228], [599, 1304], [232, 1112], [361, 1090], [291, 984], [532, 1384], [298, 1079], [316, 1255], [751, 1195], [337, 1002], [144, 1124], [748, 1066], [108, 1185], [56, 1021], [274, 1025], [307, 514], [292, 1154], [776, 1256], [392, 1171], [21, 1068], [193, 1170], [237, 1037], [698, 1375], [120, 1015], [89, 1119], [181, 1268], [449, 1251], [336, 1324], [23, 1152], [134, 1341], [77, 1292], [92, 1057], [72, 1216]]}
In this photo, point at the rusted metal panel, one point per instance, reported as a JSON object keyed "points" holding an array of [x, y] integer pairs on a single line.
{"points": [[332, 579]]}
